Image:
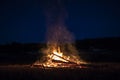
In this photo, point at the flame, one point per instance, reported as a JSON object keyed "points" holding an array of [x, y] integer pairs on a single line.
{"points": [[55, 54], [59, 53]]}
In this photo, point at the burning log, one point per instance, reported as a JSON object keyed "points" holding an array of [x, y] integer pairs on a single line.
{"points": [[68, 61], [58, 61]]}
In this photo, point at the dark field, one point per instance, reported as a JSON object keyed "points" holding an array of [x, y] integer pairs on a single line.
{"points": [[101, 71]]}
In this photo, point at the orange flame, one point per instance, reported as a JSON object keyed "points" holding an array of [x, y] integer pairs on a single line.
{"points": [[59, 54]]}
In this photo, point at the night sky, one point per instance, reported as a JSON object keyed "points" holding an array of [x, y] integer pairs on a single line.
{"points": [[24, 20]]}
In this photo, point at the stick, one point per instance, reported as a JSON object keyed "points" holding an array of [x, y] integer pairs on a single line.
{"points": [[65, 59]]}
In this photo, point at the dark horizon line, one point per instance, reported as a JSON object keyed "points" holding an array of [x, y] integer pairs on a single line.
{"points": [[44, 42]]}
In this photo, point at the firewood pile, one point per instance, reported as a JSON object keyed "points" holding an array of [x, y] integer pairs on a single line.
{"points": [[61, 64]]}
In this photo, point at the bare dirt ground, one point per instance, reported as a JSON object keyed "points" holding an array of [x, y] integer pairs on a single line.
{"points": [[101, 71]]}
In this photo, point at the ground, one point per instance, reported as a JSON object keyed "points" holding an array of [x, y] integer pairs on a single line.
{"points": [[101, 71]]}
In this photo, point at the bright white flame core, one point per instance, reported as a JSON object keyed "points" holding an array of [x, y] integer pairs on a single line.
{"points": [[58, 58]]}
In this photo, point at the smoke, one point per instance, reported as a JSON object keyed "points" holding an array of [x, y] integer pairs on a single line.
{"points": [[57, 33], [55, 18]]}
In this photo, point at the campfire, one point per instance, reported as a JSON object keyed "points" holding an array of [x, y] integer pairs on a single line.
{"points": [[59, 58], [60, 50]]}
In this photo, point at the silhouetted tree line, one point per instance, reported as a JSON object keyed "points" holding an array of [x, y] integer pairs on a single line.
{"points": [[14, 48], [30, 52], [100, 43]]}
